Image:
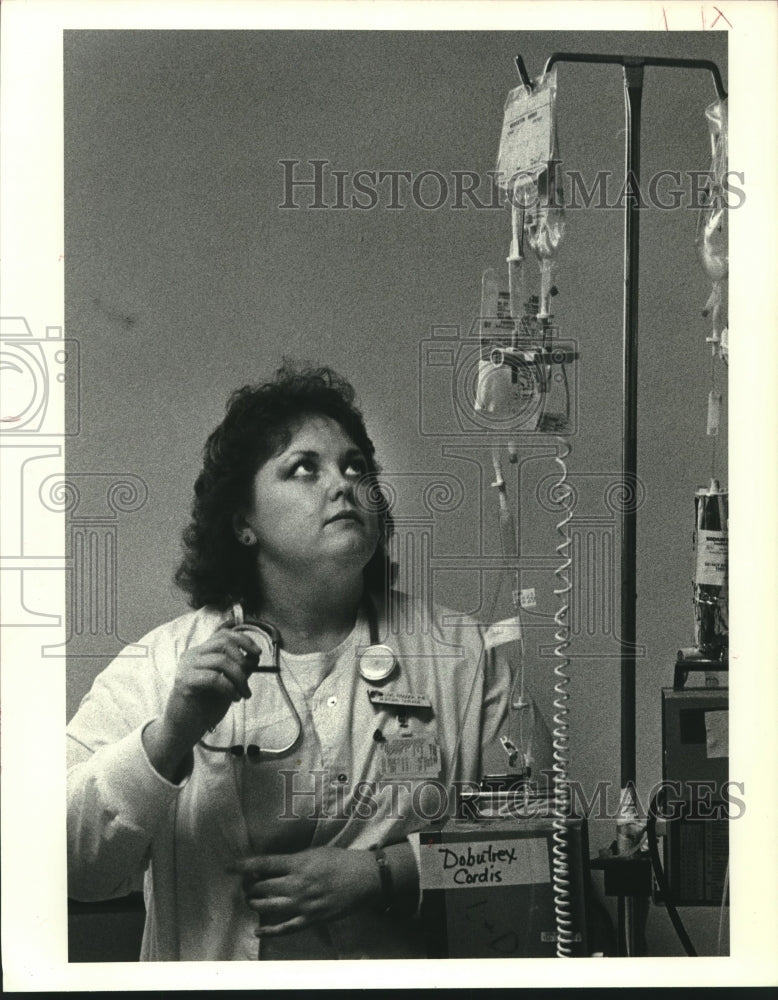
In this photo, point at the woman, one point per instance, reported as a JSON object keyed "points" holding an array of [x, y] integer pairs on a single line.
{"points": [[269, 814]]}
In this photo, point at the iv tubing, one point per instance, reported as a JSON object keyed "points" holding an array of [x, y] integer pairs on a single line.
{"points": [[507, 531], [714, 437], [659, 874], [724, 895]]}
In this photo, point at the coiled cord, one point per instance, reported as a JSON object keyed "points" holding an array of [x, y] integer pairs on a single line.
{"points": [[561, 739]]}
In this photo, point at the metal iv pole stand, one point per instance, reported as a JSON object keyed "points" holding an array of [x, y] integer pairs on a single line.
{"points": [[633, 92]]}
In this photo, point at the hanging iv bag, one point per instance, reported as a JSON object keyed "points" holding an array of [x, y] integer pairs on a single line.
{"points": [[712, 237]]}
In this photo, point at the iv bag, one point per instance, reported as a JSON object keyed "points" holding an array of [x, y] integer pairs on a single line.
{"points": [[545, 227], [510, 394], [711, 535], [712, 227], [527, 167], [712, 237], [496, 328], [527, 139]]}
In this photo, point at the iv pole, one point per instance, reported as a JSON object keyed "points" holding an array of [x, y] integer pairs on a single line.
{"points": [[633, 92]]}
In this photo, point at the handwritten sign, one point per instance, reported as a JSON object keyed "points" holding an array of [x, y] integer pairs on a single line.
{"points": [[520, 861]]}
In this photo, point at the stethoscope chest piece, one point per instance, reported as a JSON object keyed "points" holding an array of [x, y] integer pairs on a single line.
{"points": [[377, 663]]}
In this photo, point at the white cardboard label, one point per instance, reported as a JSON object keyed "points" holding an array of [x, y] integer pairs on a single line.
{"points": [[521, 861]]}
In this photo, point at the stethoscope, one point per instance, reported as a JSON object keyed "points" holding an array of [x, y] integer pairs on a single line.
{"points": [[376, 663]]}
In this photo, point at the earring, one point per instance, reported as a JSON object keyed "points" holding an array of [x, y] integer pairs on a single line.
{"points": [[247, 538]]}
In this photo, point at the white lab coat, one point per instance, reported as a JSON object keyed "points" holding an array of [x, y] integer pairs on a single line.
{"points": [[127, 823]]}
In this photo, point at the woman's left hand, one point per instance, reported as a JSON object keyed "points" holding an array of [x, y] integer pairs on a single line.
{"points": [[293, 891]]}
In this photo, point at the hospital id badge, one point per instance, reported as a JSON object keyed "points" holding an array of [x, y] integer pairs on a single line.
{"points": [[409, 757]]}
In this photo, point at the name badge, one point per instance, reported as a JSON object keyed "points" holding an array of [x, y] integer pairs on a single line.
{"points": [[399, 699], [413, 757]]}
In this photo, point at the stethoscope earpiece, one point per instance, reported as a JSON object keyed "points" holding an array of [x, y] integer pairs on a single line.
{"points": [[264, 636]]}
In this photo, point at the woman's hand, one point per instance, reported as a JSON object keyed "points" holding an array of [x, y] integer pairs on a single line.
{"points": [[293, 891], [208, 680]]}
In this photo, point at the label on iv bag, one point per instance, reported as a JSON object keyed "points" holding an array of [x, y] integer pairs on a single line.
{"points": [[526, 143], [712, 558]]}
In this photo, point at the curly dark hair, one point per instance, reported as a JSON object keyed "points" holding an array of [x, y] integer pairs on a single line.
{"points": [[260, 419]]}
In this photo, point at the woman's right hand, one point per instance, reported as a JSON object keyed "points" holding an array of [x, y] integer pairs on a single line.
{"points": [[209, 678]]}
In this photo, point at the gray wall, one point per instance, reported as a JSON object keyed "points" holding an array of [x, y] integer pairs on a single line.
{"points": [[184, 279]]}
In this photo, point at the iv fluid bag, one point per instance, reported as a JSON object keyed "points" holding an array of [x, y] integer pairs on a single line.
{"points": [[712, 222], [511, 394], [523, 739], [712, 237], [545, 227], [711, 534], [527, 168], [713, 244], [527, 138], [496, 329], [545, 221]]}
